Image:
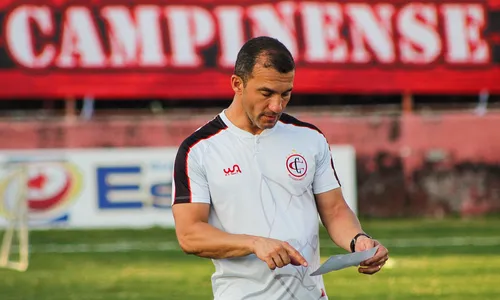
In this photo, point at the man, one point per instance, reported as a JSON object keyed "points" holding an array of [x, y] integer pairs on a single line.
{"points": [[248, 187]]}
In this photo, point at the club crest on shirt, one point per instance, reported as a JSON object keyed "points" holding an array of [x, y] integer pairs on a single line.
{"points": [[296, 165]]}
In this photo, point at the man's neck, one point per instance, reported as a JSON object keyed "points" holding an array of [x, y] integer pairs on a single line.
{"points": [[236, 114]]}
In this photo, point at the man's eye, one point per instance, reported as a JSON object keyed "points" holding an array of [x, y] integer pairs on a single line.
{"points": [[265, 94]]}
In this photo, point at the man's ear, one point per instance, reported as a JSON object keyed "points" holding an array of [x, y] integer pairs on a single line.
{"points": [[237, 84]]}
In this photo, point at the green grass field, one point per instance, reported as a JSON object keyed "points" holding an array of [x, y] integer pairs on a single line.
{"points": [[451, 259]]}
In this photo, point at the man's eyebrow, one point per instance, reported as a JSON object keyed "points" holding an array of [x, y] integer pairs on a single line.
{"points": [[266, 89]]}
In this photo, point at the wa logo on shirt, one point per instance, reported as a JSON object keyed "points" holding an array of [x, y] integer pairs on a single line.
{"points": [[296, 165], [232, 171]]}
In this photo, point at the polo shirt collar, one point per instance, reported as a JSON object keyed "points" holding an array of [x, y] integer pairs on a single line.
{"points": [[243, 133]]}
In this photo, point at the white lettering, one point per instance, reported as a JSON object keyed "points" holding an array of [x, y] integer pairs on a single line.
{"points": [[20, 40], [371, 26], [322, 24], [420, 42], [463, 25], [135, 41], [333, 32], [81, 45], [231, 33], [191, 28], [275, 21]]}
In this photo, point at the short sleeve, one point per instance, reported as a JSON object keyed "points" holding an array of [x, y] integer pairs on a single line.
{"points": [[325, 177], [189, 182]]}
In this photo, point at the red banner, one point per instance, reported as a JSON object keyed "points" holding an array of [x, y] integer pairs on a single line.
{"points": [[186, 49]]}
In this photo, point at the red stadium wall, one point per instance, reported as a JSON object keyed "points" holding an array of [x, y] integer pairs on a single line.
{"points": [[406, 166]]}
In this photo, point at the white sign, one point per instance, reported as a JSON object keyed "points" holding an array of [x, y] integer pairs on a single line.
{"points": [[104, 188]]}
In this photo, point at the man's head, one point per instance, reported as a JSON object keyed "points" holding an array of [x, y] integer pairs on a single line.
{"points": [[263, 81]]}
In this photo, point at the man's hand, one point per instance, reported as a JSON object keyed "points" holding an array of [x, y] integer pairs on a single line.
{"points": [[277, 253], [374, 264]]}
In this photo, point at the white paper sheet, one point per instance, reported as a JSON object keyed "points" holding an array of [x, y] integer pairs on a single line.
{"points": [[338, 262]]}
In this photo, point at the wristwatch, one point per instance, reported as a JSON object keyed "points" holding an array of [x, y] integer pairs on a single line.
{"points": [[353, 241]]}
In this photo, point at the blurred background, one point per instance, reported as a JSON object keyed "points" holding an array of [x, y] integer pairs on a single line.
{"points": [[96, 96]]}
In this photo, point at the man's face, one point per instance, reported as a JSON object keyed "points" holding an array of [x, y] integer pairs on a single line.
{"points": [[266, 95]]}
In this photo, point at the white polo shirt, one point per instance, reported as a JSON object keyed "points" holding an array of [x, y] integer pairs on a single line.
{"points": [[261, 185]]}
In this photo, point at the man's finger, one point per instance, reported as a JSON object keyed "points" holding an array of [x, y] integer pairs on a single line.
{"points": [[295, 257], [285, 258], [381, 254], [373, 261], [380, 262], [278, 261], [370, 270], [367, 263], [270, 263]]}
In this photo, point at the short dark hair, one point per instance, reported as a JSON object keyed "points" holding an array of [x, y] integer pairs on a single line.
{"points": [[276, 55]]}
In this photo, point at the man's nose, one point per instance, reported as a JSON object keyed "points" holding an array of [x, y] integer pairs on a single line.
{"points": [[276, 105]]}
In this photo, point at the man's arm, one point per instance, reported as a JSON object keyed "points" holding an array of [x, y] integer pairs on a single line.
{"points": [[191, 207], [198, 237], [338, 218], [340, 221]]}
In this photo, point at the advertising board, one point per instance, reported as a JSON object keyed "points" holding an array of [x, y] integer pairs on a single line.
{"points": [[109, 188]]}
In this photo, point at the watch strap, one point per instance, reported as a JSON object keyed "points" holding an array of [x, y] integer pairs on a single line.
{"points": [[355, 238]]}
